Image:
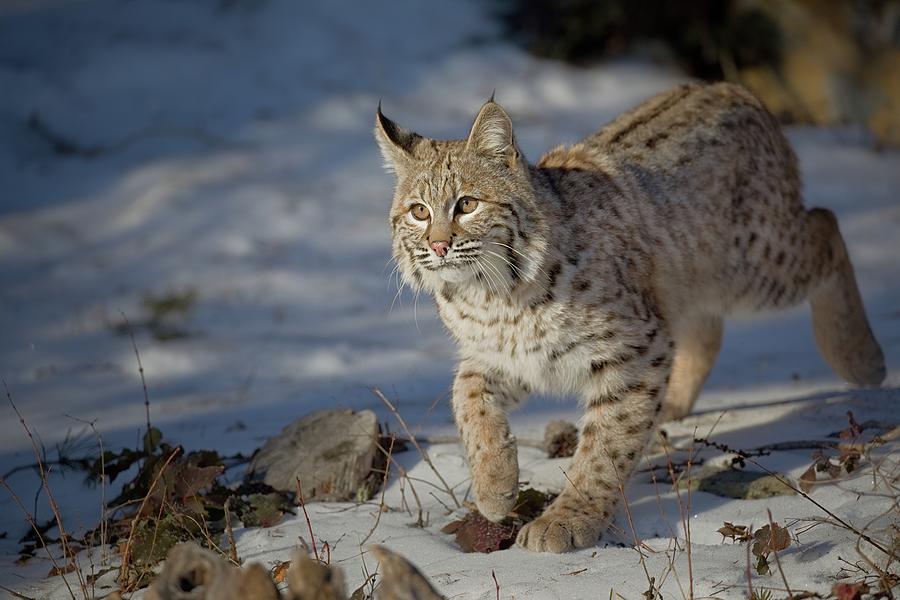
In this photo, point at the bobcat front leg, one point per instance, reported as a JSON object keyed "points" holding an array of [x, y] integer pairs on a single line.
{"points": [[623, 401], [480, 402]]}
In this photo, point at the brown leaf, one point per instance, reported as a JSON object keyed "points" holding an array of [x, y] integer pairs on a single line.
{"points": [[280, 570], [853, 430], [849, 591], [770, 539], [738, 533], [193, 479], [808, 479], [451, 527], [180, 485], [477, 534]]}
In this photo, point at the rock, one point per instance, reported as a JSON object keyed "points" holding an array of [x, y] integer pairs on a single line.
{"points": [[331, 451], [733, 483], [194, 573], [560, 439]]}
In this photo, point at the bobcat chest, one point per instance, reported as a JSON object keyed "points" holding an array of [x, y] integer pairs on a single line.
{"points": [[517, 340]]}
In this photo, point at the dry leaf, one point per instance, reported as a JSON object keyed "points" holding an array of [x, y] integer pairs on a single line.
{"points": [[738, 533], [477, 534], [770, 539], [853, 430], [280, 570], [474, 533], [451, 527], [808, 479]]}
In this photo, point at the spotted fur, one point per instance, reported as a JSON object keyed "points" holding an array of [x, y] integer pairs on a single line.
{"points": [[605, 270]]}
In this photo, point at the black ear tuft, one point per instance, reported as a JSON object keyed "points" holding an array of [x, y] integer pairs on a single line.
{"points": [[397, 144]]}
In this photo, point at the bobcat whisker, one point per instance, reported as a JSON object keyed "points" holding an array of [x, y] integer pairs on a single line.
{"points": [[520, 253], [509, 263], [415, 309], [498, 277], [521, 273], [396, 296], [488, 277]]}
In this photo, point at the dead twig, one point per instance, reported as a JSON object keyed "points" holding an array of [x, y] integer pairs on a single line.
{"points": [[749, 576], [104, 514], [405, 476], [777, 560], [229, 532], [415, 443], [54, 507], [674, 537], [634, 535], [381, 507], [302, 503], [783, 480], [126, 553], [137, 355], [683, 512], [37, 531]]}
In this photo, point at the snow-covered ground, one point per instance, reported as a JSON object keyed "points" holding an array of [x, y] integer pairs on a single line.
{"points": [[221, 151]]}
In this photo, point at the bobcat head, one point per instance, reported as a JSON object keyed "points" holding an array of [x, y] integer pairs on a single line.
{"points": [[465, 212]]}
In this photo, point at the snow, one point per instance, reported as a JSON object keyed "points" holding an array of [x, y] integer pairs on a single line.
{"points": [[235, 161]]}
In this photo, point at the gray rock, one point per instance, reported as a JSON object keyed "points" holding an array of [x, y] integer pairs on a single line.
{"points": [[331, 451], [739, 484]]}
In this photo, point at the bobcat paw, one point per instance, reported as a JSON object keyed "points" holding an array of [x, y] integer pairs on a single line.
{"points": [[559, 533], [496, 481]]}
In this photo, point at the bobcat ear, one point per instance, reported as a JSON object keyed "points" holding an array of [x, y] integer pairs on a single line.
{"points": [[492, 133], [397, 144]]}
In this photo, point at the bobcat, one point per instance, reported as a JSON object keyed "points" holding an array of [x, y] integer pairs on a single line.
{"points": [[605, 271]]}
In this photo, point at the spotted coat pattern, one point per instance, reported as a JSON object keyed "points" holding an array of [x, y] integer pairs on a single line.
{"points": [[604, 271]]}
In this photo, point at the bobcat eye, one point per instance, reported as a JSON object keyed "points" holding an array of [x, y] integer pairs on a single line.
{"points": [[466, 204], [419, 212]]}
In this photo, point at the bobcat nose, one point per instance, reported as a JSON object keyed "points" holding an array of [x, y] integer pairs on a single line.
{"points": [[440, 248]]}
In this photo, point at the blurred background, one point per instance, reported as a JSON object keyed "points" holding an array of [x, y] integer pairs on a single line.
{"points": [[201, 175], [819, 62]]}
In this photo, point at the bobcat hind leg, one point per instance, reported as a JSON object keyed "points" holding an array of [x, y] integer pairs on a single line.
{"points": [[697, 343], [841, 328]]}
